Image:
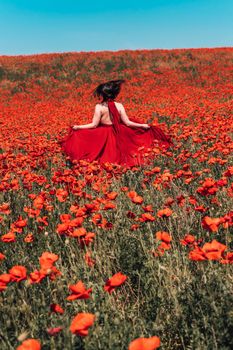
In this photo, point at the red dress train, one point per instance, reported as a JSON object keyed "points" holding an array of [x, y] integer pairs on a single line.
{"points": [[115, 143]]}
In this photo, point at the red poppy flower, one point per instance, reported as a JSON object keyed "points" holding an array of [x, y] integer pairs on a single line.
{"points": [[135, 198], [65, 217], [5, 278], [36, 277], [112, 195], [146, 217], [187, 240], [79, 291], [63, 228], [197, 254], [5, 208], [18, 273], [81, 323], [164, 212], [54, 331], [115, 281], [2, 256], [38, 202], [8, 237], [148, 208], [211, 224], [214, 250], [152, 343], [163, 236], [228, 259], [61, 194], [56, 308], [47, 259], [21, 223], [29, 344]]}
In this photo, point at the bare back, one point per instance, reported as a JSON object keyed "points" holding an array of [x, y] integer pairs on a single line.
{"points": [[105, 117]]}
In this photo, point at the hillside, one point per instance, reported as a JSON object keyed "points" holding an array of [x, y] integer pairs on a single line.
{"points": [[141, 252]]}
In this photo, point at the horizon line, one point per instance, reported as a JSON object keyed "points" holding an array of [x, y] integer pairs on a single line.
{"points": [[117, 50]]}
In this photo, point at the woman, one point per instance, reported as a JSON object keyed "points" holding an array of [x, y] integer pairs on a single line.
{"points": [[111, 136]]}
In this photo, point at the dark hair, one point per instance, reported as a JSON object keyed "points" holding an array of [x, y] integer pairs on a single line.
{"points": [[108, 90]]}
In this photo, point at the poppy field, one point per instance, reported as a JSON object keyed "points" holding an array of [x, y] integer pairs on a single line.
{"points": [[102, 256]]}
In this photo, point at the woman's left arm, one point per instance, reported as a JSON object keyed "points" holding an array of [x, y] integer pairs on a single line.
{"points": [[95, 121]]}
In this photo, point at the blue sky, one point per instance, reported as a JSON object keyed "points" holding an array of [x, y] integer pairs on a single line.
{"points": [[32, 26]]}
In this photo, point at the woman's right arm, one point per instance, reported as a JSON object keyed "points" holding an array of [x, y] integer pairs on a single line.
{"points": [[128, 122]]}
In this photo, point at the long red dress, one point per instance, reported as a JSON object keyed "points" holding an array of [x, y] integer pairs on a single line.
{"points": [[115, 143]]}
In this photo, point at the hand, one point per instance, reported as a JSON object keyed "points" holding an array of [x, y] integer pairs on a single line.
{"points": [[146, 126], [75, 127]]}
